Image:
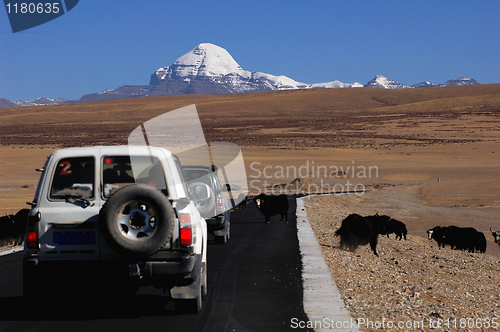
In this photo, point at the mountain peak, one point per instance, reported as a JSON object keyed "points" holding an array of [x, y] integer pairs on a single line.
{"points": [[425, 84], [461, 81], [206, 59], [383, 82]]}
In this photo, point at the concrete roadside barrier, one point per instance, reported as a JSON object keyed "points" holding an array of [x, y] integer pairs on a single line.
{"points": [[322, 302]]}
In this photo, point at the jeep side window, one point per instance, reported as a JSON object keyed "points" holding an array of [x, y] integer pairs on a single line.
{"points": [[179, 170], [73, 177]]}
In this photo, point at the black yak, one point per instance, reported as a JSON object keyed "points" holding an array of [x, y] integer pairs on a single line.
{"points": [[357, 231], [270, 205], [391, 225], [460, 238], [496, 236], [481, 242], [13, 227], [438, 233]]}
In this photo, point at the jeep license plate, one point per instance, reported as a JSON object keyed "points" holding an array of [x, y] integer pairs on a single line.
{"points": [[74, 238]]}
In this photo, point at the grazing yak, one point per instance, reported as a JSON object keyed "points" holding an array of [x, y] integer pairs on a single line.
{"points": [[481, 241], [438, 233], [459, 238], [391, 225], [357, 231], [270, 205], [13, 228], [496, 236]]}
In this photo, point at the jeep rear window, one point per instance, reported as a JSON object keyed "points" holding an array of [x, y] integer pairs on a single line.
{"points": [[118, 171], [196, 175], [73, 178], [193, 174]]}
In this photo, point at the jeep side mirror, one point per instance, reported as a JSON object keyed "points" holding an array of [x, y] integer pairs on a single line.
{"points": [[201, 192]]}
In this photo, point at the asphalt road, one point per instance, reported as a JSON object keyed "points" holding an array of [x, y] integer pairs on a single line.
{"points": [[254, 284]]}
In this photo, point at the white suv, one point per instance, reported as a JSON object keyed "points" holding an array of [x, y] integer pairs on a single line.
{"points": [[116, 218], [217, 209]]}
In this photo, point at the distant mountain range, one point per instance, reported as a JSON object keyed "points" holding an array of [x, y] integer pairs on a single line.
{"points": [[385, 83], [210, 69], [37, 102]]}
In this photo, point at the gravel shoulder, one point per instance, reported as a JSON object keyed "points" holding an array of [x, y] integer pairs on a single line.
{"points": [[8, 249], [412, 284]]}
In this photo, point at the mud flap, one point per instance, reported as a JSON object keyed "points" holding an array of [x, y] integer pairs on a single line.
{"points": [[204, 286], [223, 235], [186, 292], [192, 283], [222, 232], [189, 299]]}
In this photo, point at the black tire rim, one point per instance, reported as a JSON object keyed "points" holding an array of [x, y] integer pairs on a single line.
{"points": [[137, 221]]}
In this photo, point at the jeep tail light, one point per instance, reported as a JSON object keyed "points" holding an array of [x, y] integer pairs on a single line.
{"points": [[32, 240], [186, 231], [32, 231], [220, 203], [186, 236]]}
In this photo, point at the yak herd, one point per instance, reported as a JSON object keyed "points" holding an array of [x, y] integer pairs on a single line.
{"points": [[357, 230]]}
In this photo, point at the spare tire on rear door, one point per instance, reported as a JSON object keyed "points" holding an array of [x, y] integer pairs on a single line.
{"points": [[137, 220]]}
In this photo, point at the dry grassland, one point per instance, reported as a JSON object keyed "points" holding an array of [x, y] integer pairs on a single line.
{"points": [[289, 119], [413, 136]]}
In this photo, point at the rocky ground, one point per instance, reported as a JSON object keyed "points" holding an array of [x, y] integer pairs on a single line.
{"points": [[412, 285], [8, 246]]}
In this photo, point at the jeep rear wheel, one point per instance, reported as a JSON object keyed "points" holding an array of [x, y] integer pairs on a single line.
{"points": [[137, 220]]}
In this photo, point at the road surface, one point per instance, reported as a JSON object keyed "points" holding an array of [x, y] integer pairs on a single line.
{"points": [[254, 284]]}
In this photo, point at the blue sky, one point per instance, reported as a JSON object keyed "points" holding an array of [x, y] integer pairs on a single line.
{"points": [[106, 44]]}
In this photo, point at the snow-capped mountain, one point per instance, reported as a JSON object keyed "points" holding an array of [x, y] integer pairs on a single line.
{"points": [[205, 60], [210, 69], [460, 81], [41, 101], [453, 82], [383, 82], [425, 84], [207, 64], [336, 84]]}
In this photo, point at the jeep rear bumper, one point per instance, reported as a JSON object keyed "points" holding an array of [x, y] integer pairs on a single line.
{"points": [[179, 268], [181, 271]]}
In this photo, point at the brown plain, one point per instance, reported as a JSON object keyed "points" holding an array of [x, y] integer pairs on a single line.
{"points": [[443, 143]]}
